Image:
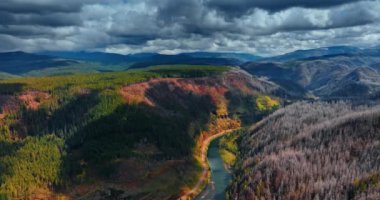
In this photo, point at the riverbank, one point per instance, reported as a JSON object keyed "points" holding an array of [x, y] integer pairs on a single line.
{"points": [[228, 148], [203, 180], [220, 176]]}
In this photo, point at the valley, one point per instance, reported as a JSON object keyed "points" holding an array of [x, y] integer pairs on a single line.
{"points": [[120, 134], [94, 127], [220, 177], [189, 100], [204, 159]]}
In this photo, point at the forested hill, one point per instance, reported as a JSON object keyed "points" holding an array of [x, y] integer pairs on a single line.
{"points": [[335, 72], [311, 151], [63, 63], [118, 134]]}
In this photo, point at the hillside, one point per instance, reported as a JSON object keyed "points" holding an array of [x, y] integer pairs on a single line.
{"points": [[141, 60], [327, 76], [64, 63], [242, 57], [28, 64], [21, 62], [310, 53], [311, 151], [118, 134]]}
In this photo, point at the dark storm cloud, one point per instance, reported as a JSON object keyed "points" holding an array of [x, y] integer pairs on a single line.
{"points": [[134, 39], [125, 26], [26, 23], [25, 31], [301, 20], [205, 18], [179, 10], [196, 25], [50, 19], [241, 7], [42, 6], [38, 17]]}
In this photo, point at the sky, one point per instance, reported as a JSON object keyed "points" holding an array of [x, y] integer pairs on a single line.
{"points": [[261, 27]]}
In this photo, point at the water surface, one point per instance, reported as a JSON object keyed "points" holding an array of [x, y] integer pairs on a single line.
{"points": [[220, 177]]}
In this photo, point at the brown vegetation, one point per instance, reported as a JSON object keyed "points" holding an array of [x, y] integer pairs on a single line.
{"points": [[33, 99], [311, 151]]}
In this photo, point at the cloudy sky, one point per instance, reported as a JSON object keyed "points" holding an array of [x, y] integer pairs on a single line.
{"points": [[263, 27]]}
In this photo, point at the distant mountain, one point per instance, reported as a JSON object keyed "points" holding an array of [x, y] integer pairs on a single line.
{"points": [[348, 75], [21, 62], [61, 62], [361, 82], [303, 54], [317, 71], [102, 57], [140, 60], [244, 57], [109, 58], [372, 51], [160, 59]]}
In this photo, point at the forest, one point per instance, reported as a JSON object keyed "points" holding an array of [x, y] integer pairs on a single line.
{"points": [[311, 150], [189, 99], [61, 134]]}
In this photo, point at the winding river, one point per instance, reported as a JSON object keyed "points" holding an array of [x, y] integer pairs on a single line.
{"points": [[220, 177]]}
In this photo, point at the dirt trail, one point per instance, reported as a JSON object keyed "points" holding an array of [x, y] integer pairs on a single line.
{"points": [[196, 189]]}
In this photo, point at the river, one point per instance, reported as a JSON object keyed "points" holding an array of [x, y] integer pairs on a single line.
{"points": [[220, 177]]}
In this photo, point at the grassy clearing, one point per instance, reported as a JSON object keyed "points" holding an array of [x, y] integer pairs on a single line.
{"points": [[228, 147], [228, 157], [266, 103]]}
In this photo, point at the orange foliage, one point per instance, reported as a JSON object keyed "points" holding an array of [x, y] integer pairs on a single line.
{"points": [[136, 93], [33, 99], [222, 125], [218, 126], [215, 88]]}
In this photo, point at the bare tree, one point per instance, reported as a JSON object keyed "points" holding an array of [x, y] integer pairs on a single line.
{"points": [[313, 150]]}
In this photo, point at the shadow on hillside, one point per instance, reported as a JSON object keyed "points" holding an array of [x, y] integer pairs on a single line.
{"points": [[11, 88], [6, 149], [176, 99], [243, 106], [64, 121], [172, 126]]}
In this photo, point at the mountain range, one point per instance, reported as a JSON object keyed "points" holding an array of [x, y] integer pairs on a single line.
{"points": [[81, 135], [57, 63], [323, 72], [351, 74]]}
